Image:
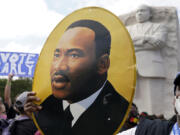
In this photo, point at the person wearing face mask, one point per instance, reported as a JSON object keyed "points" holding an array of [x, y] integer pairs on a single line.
{"points": [[176, 127], [157, 126]]}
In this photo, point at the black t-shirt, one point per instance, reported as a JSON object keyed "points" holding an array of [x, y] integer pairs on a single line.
{"points": [[154, 127], [11, 113], [23, 127]]}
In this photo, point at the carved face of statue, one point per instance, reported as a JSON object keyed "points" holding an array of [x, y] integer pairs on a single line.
{"points": [[143, 14]]}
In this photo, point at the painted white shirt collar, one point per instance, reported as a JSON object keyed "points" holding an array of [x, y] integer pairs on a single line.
{"points": [[82, 105]]}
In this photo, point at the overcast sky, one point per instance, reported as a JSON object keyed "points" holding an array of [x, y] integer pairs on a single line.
{"points": [[26, 24]]}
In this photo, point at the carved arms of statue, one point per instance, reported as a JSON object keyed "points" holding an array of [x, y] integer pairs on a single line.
{"points": [[154, 38]]}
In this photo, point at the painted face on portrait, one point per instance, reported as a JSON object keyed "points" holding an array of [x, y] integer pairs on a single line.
{"points": [[143, 14], [73, 65]]}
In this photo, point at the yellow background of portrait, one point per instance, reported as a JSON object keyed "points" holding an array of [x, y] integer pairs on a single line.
{"points": [[122, 72]]}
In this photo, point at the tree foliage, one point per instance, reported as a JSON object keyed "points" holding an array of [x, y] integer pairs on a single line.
{"points": [[17, 86]]}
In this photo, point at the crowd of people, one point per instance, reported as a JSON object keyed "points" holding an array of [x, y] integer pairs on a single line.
{"points": [[15, 121], [101, 109], [13, 118], [88, 43]]}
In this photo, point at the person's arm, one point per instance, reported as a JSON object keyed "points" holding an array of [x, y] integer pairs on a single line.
{"points": [[7, 91]]}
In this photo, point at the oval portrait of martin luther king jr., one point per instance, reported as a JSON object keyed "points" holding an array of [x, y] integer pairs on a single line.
{"points": [[85, 75]]}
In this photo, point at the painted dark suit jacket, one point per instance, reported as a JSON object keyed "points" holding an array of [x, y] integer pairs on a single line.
{"points": [[102, 117]]}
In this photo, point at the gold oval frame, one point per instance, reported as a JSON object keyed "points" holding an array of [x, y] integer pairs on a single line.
{"points": [[122, 72]]}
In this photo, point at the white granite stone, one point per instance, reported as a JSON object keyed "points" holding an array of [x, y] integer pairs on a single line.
{"points": [[155, 35]]}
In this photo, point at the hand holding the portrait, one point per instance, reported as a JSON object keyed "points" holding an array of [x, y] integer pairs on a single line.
{"points": [[30, 106]]}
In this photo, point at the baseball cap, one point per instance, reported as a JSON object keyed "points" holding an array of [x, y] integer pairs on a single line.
{"points": [[21, 99]]}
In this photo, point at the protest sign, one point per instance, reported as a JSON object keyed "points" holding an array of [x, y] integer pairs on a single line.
{"points": [[20, 64]]}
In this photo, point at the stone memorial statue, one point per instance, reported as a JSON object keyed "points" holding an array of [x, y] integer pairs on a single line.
{"points": [[155, 44]]}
